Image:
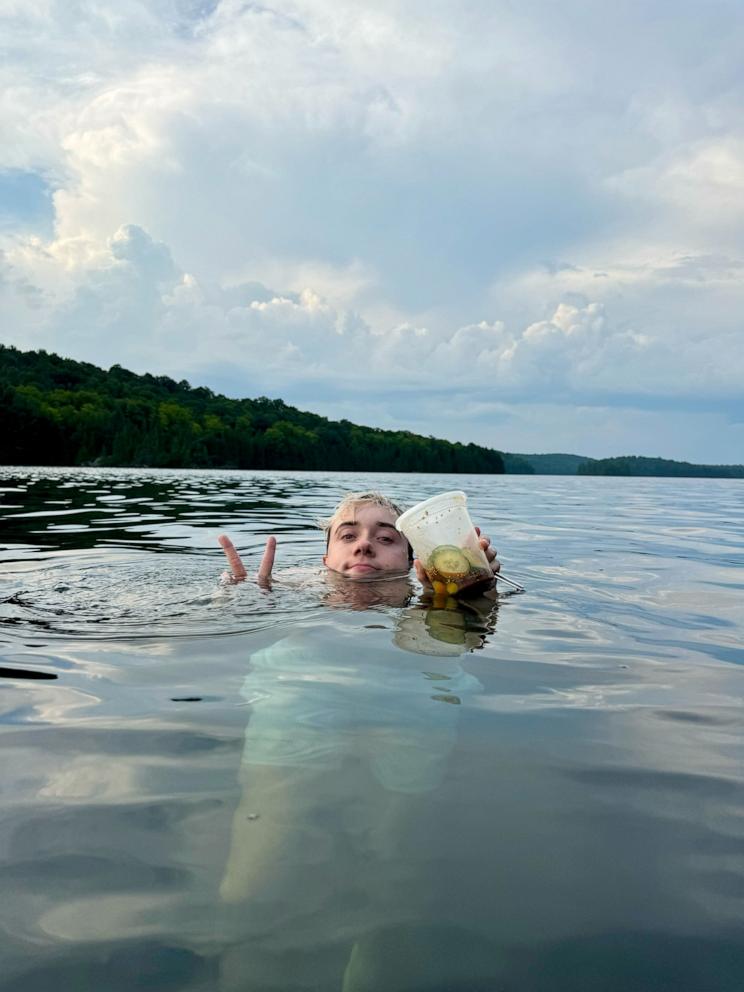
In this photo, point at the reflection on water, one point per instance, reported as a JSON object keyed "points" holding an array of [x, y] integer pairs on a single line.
{"points": [[322, 787]]}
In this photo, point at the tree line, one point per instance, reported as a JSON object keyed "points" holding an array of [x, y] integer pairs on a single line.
{"points": [[659, 467], [57, 411]]}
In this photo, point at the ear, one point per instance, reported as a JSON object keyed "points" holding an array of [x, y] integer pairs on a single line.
{"points": [[325, 559]]}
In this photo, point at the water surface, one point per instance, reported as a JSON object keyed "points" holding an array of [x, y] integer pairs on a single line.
{"points": [[223, 787]]}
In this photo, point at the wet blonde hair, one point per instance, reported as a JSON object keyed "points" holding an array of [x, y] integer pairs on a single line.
{"points": [[352, 502]]}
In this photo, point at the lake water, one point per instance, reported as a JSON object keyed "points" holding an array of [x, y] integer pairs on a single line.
{"points": [[212, 787]]}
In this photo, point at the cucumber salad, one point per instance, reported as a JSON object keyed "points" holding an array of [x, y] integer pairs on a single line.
{"points": [[452, 569]]}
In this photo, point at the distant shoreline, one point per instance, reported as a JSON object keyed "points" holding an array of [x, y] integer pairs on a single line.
{"points": [[60, 412], [635, 466]]}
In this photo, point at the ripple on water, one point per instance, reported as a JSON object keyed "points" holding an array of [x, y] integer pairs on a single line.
{"points": [[590, 810], [166, 595]]}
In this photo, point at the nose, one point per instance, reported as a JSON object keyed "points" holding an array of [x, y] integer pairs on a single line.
{"points": [[364, 547]]}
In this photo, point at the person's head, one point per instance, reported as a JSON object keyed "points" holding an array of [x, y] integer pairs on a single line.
{"points": [[361, 539]]}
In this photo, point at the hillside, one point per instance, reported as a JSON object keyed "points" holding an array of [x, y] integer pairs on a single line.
{"points": [[629, 465], [658, 467], [56, 411], [552, 464]]}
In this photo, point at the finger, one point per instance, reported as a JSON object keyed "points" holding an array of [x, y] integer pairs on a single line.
{"points": [[421, 573], [233, 558], [267, 561], [488, 551]]}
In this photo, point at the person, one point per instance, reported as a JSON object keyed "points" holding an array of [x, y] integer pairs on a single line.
{"points": [[362, 544], [330, 697]]}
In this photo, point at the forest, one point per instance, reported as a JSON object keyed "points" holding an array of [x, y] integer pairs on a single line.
{"points": [[56, 411], [658, 467]]}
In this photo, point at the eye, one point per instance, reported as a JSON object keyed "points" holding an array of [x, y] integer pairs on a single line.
{"points": [[387, 540], [347, 536]]}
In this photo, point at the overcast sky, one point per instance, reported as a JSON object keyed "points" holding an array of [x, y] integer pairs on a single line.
{"points": [[520, 224]]}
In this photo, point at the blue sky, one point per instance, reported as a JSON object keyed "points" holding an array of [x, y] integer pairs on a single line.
{"points": [[521, 225]]}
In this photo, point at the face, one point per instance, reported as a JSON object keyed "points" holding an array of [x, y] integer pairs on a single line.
{"points": [[366, 545]]}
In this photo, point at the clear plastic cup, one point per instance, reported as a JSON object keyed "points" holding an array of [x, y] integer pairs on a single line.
{"points": [[443, 538]]}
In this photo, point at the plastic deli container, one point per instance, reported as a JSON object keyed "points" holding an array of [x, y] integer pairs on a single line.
{"points": [[443, 538]]}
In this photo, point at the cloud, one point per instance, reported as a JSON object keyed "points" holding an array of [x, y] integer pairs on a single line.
{"points": [[130, 302], [385, 206]]}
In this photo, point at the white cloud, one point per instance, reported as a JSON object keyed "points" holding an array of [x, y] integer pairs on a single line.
{"points": [[130, 302], [333, 201]]}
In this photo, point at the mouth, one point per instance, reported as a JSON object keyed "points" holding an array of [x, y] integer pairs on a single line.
{"points": [[361, 567]]}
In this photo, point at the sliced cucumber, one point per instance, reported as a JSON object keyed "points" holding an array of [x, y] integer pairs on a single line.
{"points": [[449, 561]]}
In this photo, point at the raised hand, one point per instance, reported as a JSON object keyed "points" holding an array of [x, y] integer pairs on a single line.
{"points": [[267, 563], [238, 571]]}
